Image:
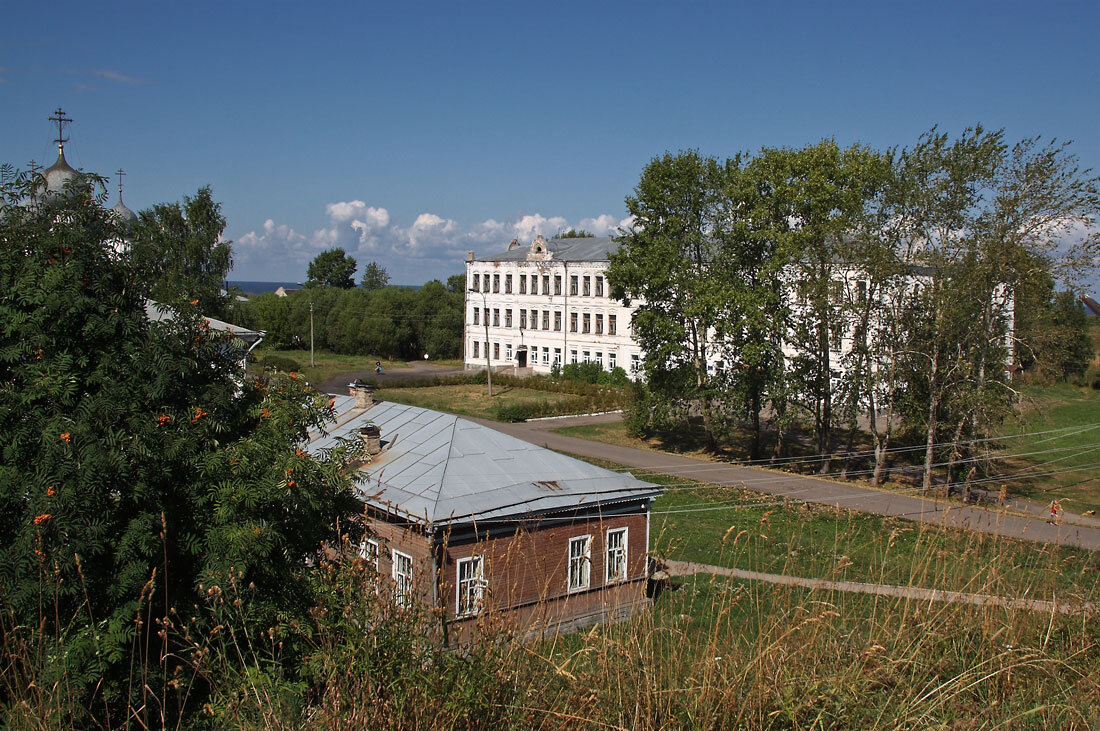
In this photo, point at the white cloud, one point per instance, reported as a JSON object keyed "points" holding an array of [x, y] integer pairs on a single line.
{"points": [[432, 246]]}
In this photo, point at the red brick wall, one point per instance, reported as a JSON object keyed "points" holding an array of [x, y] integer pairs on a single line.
{"points": [[526, 572]]}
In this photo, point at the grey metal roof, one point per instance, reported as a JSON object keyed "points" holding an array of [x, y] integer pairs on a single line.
{"points": [[588, 249], [157, 313], [439, 469]]}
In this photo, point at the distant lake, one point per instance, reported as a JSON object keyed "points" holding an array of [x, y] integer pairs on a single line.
{"points": [[250, 287]]}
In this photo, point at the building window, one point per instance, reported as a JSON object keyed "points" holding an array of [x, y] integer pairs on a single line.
{"points": [[496, 351], [522, 319], [599, 286], [557, 356], [546, 356], [477, 316], [635, 365], [485, 283], [557, 321], [477, 282], [402, 578], [546, 319], [587, 286], [507, 284], [611, 325], [580, 562], [557, 284], [599, 324], [587, 355], [534, 284], [573, 285], [475, 349], [546, 284], [599, 359], [572, 322], [523, 284], [508, 351], [508, 317], [573, 357], [496, 317], [611, 361], [368, 551], [586, 323], [471, 585], [616, 555], [496, 283]]}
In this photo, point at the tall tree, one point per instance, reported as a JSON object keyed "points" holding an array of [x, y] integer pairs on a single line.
{"points": [[332, 268], [179, 252], [136, 465], [374, 276], [664, 264]]}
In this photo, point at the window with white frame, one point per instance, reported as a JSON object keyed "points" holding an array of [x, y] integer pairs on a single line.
{"points": [[368, 551], [611, 361], [402, 578], [572, 356], [586, 355], [616, 555], [470, 588], [580, 562], [557, 356], [508, 351], [635, 365], [599, 359]]}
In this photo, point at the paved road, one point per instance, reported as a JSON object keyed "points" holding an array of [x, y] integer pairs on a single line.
{"points": [[1081, 532], [687, 568]]}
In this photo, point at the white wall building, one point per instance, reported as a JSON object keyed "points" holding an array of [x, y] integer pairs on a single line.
{"points": [[532, 306]]}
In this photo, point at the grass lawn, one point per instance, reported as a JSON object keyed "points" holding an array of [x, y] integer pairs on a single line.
{"points": [[328, 364], [468, 399], [729, 526], [1073, 455]]}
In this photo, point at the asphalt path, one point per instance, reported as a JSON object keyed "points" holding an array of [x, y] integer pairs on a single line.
{"points": [[1072, 530]]}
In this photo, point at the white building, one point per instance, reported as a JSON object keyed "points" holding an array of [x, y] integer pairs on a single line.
{"points": [[532, 306]]}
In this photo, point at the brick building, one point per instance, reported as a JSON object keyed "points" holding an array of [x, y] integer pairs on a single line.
{"points": [[471, 520]]}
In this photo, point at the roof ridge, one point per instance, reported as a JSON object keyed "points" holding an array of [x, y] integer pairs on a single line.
{"points": [[446, 465]]}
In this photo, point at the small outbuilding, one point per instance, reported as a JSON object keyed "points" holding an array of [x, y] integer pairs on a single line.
{"points": [[474, 521]]}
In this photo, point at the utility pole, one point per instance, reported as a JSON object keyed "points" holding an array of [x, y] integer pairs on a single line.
{"points": [[485, 317], [304, 286]]}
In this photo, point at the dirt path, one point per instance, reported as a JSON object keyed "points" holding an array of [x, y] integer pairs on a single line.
{"points": [[1073, 531], [688, 568]]}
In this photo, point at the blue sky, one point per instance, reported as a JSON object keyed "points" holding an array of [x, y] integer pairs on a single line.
{"points": [[409, 133]]}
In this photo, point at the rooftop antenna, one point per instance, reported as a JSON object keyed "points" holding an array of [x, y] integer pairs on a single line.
{"points": [[61, 120]]}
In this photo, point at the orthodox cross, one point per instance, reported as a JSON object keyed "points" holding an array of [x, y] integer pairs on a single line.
{"points": [[120, 174], [61, 120], [34, 167]]}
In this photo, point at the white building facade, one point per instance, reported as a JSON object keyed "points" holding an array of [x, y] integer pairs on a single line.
{"points": [[533, 306]]}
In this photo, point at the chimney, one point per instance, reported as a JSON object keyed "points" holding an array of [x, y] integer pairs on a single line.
{"points": [[372, 438], [469, 256], [363, 393]]}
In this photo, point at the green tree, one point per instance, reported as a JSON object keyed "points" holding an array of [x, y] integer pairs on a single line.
{"points": [[136, 467], [332, 268], [664, 264], [575, 233], [179, 253], [456, 283], [374, 277]]}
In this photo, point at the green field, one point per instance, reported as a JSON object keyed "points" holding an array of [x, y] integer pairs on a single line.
{"points": [[327, 364], [469, 399]]}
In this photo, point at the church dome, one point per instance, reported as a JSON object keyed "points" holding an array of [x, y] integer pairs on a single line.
{"points": [[58, 175], [123, 213]]}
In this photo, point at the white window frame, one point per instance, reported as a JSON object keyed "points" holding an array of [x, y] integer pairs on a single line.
{"points": [[546, 356], [612, 361], [621, 575], [469, 591], [402, 580], [368, 549], [508, 351], [584, 562]]}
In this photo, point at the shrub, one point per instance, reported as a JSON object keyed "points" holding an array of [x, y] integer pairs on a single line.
{"points": [[585, 372], [521, 411]]}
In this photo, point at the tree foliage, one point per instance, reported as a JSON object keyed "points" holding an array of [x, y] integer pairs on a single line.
{"points": [[179, 253], [374, 276], [136, 465], [331, 268]]}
